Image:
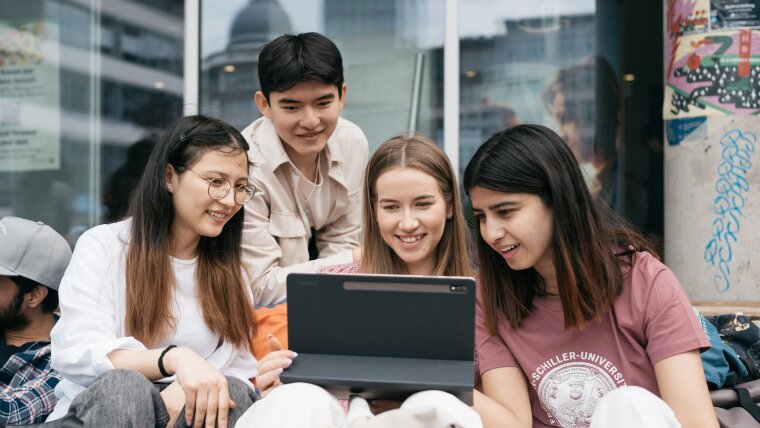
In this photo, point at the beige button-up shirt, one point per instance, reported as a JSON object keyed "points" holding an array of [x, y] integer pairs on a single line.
{"points": [[276, 231]]}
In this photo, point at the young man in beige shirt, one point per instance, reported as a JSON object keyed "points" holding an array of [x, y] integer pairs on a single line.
{"points": [[308, 166]]}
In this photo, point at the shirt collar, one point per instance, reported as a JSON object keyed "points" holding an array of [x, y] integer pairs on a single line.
{"points": [[275, 155]]}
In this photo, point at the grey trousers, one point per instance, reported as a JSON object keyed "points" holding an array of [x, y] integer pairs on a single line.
{"points": [[125, 398]]}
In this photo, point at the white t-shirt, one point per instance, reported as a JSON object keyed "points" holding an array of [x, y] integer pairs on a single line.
{"points": [[93, 306], [191, 332]]}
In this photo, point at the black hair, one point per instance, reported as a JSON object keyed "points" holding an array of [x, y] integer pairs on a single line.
{"points": [[587, 235], [290, 59], [220, 285], [27, 285]]}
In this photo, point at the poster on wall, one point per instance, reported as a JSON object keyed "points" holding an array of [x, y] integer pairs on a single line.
{"points": [[714, 74], [683, 17], [734, 14], [29, 94]]}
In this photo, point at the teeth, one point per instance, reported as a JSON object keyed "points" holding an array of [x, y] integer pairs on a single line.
{"points": [[511, 247], [217, 215], [410, 239]]}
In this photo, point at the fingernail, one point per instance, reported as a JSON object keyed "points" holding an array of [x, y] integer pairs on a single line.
{"points": [[278, 371], [289, 362], [269, 335], [295, 354]]}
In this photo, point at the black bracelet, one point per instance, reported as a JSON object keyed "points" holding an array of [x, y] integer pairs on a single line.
{"points": [[161, 360]]}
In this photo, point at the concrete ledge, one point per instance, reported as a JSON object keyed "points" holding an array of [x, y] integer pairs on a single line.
{"points": [[708, 308]]}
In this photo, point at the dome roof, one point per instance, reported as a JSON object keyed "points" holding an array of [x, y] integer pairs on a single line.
{"points": [[259, 22]]}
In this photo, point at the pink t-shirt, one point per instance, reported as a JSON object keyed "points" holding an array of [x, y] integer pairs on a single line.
{"points": [[569, 371], [342, 268]]}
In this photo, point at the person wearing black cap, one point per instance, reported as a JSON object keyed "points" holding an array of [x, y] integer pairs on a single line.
{"points": [[33, 258]]}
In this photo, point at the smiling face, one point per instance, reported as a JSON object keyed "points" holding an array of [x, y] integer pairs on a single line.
{"points": [[305, 116], [196, 214], [518, 226], [411, 215]]}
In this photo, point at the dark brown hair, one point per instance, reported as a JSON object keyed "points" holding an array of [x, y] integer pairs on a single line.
{"points": [[588, 239], [222, 293]]}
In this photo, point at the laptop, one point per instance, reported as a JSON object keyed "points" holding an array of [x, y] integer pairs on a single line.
{"points": [[382, 336]]}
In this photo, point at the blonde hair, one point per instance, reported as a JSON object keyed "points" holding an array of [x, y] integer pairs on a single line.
{"points": [[421, 153]]}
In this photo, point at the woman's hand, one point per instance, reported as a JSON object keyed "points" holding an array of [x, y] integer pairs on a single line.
{"points": [[205, 388], [271, 366], [174, 400]]}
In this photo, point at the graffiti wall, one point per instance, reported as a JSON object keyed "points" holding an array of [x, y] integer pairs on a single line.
{"points": [[712, 182]]}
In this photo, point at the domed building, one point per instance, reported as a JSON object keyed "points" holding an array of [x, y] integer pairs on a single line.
{"points": [[231, 76]]}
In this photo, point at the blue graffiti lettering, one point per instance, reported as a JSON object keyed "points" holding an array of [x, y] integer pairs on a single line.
{"points": [[731, 185]]}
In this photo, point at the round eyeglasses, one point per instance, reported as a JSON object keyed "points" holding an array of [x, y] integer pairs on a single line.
{"points": [[219, 187]]}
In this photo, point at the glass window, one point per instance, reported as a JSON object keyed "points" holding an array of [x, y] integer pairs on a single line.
{"points": [[542, 62], [88, 92], [380, 42], [561, 64]]}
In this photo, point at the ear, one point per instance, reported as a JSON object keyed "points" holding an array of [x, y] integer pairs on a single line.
{"points": [[342, 98], [262, 104], [170, 178], [37, 296], [449, 212]]}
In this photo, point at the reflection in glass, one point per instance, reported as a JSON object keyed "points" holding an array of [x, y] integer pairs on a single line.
{"points": [[583, 99], [542, 62], [229, 77], [114, 76], [379, 41]]}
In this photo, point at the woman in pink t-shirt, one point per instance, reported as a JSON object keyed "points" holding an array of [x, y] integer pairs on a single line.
{"points": [[577, 323]]}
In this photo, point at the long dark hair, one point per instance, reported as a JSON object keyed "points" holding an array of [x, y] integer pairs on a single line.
{"points": [[586, 236], [221, 290]]}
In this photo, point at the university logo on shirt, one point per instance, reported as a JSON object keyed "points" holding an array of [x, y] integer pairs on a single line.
{"points": [[569, 385]]}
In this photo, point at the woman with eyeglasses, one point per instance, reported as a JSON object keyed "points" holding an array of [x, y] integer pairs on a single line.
{"points": [[156, 310]]}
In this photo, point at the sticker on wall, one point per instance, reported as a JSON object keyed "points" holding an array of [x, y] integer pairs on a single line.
{"points": [[688, 16], [678, 130], [714, 74], [734, 14], [29, 96]]}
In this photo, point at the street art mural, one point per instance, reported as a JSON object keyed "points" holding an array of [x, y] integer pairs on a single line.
{"points": [[712, 185], [714, 74]]}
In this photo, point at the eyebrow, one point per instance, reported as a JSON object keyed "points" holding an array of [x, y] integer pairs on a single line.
{"points": [[417, 198], [224, 175], [288, 101], [294, 101], [498, 205]]}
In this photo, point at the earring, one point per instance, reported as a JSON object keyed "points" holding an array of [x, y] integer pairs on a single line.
{"points": [[169, 187]]}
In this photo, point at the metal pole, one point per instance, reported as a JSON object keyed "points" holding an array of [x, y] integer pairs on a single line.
{"points": [[414, 108]]}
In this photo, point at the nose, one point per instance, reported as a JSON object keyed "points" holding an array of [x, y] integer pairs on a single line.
{"points": [[408, 222], [229, 199], [310, 118], [492, 232]]}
